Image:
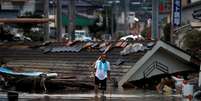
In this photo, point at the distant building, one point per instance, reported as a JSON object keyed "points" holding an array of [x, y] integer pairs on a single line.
{"points": [[85, 14], [14, 8], [187, 12]]}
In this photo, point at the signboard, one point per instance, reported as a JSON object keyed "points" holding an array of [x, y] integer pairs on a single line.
{"points": [[177, 12]]}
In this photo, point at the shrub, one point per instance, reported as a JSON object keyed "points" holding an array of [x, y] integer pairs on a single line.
{"points": [[35, 36]]}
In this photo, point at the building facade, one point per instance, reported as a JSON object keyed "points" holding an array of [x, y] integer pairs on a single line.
{"points": [[14, 8]]}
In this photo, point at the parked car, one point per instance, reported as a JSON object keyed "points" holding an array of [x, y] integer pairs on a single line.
{"points": [[82, 35], [20, 37], [133, 37]]}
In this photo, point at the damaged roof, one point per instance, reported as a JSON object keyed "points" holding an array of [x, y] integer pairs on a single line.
{"points": [[162, 58]]}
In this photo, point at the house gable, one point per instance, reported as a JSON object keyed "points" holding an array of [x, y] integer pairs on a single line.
{"points": [[161, 54]]}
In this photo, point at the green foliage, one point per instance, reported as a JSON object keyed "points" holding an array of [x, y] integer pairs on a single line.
{"points": [[192, 39], [144, 32]]}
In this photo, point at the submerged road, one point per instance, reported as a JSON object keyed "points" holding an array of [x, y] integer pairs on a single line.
{"points": [[125, 95], [91, 97]]}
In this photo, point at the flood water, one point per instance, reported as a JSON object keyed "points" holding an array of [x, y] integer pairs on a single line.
{"points": [[128, 95], [113, 99], [151, 98]]}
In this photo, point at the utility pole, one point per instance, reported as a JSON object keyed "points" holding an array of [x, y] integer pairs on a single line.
{"points": [[71, 17], [112, 21], [171, 22], [107, 19], [127, 7], [58, 20], [155, 14], [200, 76], [114, 17], [46, 25]]}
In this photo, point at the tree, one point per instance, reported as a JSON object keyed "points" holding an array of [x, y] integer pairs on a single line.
{"points": [[27, 26], [99, 26], [193, 43], [192, 39], [97, 30]]}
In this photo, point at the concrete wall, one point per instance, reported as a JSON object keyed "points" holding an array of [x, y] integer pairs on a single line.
{"points": [[174, 64], [29, 6], [187, 14], [7, 6]]}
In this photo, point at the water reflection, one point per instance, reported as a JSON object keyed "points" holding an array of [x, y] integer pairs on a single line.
{"points": [[126, 95], [151, 98], [115, 99]]}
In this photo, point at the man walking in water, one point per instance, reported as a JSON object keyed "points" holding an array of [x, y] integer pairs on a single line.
{"points": [[102, 73]]}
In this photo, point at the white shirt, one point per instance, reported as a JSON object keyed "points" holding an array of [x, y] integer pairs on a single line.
{"points": [[178, 81], [187, 89], [102, 69]]}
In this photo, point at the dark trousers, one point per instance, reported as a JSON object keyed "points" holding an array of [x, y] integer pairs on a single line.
{"points": [[102, 84]]}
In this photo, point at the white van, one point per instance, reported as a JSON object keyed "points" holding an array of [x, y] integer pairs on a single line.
{"points": [[81, 35]]}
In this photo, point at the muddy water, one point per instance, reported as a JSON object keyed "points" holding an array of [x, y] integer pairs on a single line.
{"points": [[126, 95], [161, 98], [118, 99]]}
